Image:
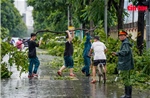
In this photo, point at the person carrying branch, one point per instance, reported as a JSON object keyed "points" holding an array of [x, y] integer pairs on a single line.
{"points": [[87, 61], [125, 62], [69, 63], [33, 59]]}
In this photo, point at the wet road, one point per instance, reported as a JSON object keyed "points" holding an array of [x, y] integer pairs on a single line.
{"points": [[46, 87]]}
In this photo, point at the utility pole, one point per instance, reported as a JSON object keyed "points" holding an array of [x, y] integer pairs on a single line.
{"points": [[105, 18], [68, 15], [91, 22], [148, 28], [70, 22], [147, 3], [133, 18]]}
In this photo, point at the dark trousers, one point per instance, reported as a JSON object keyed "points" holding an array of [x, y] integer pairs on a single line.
{"points": [[125, 75], [87, 63], [33, 61]]}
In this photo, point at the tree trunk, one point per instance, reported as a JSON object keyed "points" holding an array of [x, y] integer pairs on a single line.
{"points": [[119, 6], [140, 35], [120, 14], [91, 27], [91, 22]]}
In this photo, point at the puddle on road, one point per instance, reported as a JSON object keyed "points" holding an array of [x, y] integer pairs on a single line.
{"points": [[47, 87]]}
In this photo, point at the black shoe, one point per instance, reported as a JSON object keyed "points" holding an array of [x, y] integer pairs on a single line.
{"points": [[88, 75], [128, 92], [83, 72]]}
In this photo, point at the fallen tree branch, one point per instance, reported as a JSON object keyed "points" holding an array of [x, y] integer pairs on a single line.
{"points": [[59, 32]]}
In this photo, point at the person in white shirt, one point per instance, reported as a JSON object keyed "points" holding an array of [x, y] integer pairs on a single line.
{"points": [[99, 49]]}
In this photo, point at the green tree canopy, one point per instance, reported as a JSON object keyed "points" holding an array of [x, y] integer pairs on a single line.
{"points": [[11, 19], [52, 14]]}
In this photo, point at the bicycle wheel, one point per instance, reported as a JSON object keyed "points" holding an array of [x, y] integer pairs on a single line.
{"points": [[100, 77], [100, 74], [104, 74], [104, 78]]}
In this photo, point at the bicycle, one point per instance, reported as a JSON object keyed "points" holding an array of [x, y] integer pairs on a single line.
{"points": [[101, 72]]}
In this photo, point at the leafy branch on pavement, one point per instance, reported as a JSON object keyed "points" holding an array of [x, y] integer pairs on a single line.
{"points": [[15, 57]]}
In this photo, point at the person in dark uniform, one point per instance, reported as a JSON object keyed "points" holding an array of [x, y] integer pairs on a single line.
{"points": [[69, 63], [125, 63], [87, 60], [33, 59]]}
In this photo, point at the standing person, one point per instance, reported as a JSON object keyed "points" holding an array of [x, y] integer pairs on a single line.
{"points": [[68, 55], [19, 44], [125, 63], [99, 56], [33, 59], [87, 61]]}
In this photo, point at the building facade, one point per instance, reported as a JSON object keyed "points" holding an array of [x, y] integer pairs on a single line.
{"points": [[26, 12], [130, 23]]}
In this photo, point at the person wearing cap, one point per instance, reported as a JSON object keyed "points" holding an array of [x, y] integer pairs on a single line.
{"points": [[33, 59], [87, 61], [99, 49], [68, 53], [125, 62]]}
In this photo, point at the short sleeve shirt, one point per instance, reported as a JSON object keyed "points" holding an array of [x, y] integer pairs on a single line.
{"points": [[99, 50]]}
